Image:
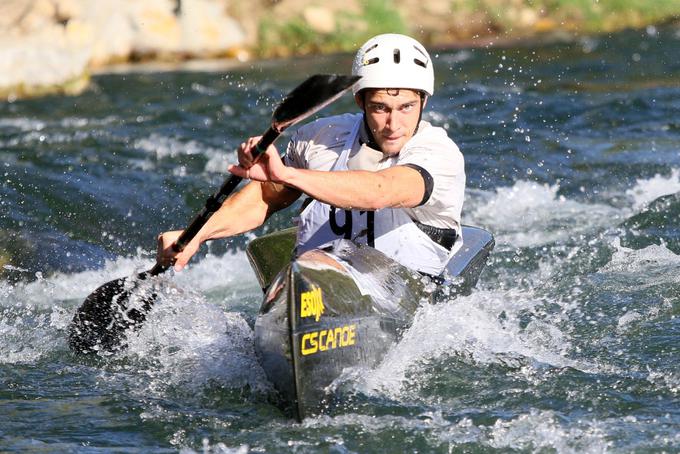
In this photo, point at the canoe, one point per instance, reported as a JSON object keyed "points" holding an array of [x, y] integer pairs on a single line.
{"points": [[329, 310]]}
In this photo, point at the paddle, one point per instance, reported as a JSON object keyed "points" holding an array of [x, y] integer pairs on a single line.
{"points": [[106, 315]]}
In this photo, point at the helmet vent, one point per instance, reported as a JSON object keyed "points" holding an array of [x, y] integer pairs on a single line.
{"points": [[397, 56], [371, 61], [422, 52], [420, 63]]}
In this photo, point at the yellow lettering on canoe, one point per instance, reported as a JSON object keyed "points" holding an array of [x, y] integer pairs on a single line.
{"points": [[309, 343], [311, 304], [328, 339]]}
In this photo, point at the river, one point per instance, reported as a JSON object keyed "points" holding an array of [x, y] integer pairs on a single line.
{"points": [[570, 343]]}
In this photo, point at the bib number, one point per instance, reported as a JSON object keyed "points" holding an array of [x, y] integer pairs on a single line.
{"points": [[345, 230]]}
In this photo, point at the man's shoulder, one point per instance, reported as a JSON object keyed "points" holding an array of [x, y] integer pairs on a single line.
{"points": [[332, 126], [432, 135], [318, 144], [435, 141]]}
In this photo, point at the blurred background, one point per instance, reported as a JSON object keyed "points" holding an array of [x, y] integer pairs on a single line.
{"points": [[52, 46]]}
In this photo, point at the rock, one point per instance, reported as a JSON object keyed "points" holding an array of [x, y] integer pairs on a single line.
{"points": [[156, 28], [67, 9], [112, 32], [45, 60], [40, 14], [438, 7], [207, 30], [50, 45], [319, 19], [11, 12]]}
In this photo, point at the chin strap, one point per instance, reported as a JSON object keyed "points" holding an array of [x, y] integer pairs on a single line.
{"points": [[420, 115], [371, 140]]}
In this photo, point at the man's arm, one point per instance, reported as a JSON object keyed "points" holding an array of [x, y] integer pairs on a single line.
{"points": [[397, 186], [394, 187], [244, 211], [247, 209]]}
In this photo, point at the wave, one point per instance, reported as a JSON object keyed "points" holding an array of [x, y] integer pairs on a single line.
{"points": [[506, 328], [34, 316], [650, 189], [530, 214], [535, 431], [162, 147]]}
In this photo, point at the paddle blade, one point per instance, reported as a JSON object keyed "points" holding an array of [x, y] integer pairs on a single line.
{"points": [[310, 96], [108, 314]]}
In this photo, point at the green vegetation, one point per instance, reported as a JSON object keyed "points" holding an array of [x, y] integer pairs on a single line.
{"points": [[295, 36], [607, 15], [283, 32]]}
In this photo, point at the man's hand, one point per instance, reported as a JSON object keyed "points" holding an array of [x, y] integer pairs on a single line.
{"points": [[268, 168], [166, 256]]}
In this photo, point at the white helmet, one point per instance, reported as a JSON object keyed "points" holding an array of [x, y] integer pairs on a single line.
{"points": [[393, 61]]}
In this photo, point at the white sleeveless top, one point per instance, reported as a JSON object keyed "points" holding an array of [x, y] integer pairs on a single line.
{"points": [[390, 230]]}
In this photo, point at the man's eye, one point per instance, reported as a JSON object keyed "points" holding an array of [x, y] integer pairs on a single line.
{"points": [[378, 108], [408, 107]]}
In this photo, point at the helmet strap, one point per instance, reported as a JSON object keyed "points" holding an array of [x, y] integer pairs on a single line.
{"points": [[371, 140], [420, 115]]}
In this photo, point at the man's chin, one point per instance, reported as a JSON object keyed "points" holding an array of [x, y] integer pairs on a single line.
{"points": [[391, 147], [391, 150]]}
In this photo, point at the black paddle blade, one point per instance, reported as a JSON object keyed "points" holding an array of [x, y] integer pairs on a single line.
{"points": [[101, 322], [310, 96]]}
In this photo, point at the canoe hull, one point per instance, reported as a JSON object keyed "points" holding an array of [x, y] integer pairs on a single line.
{"points": [[316, 322], [326, 312]]}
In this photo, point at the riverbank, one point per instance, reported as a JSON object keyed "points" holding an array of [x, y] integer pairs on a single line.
{"points": [[52, 46]]}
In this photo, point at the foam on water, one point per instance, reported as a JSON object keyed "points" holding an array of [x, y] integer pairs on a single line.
{"points": [[483, 328], [162, 147], [193, 344], [34, 316], [194, 341], [529, 214], [217, 448], [632, 261], [540, 430], [231, 270], [23, 124], [207, 274], [44, 291], [535, 431], [650, 189]]}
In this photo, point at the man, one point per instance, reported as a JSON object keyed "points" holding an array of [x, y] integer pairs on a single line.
{"points": [[382, 177]]}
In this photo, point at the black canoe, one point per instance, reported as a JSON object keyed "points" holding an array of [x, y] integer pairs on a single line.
{"points": [[329, 310]]}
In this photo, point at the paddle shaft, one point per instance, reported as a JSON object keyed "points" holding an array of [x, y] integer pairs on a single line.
{"points": [[215, 201]]}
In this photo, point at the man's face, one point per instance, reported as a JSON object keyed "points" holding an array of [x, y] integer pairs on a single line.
{"points": [[392, 114]]}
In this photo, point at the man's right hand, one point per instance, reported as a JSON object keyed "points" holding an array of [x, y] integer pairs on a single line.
{"points": [[269, 167], [166, 256]]}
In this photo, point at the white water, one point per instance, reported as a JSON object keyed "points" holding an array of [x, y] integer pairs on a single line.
{"points": [[161, 147], [195, 339], [528, 214], [486, 327], [648, 190]]}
